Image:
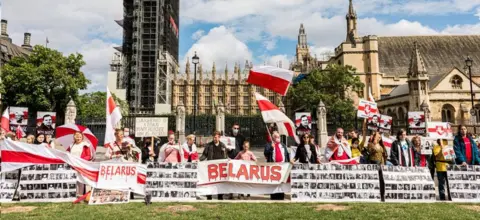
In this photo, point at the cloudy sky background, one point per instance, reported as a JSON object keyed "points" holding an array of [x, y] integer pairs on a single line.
{"points": [[229, 31]]}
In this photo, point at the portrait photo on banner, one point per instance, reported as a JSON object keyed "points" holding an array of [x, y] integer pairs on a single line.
{"points": [[46, 122], [416, 122], [172, 181], [373, 122], [18, 116], [303, 123], [385, 124]]}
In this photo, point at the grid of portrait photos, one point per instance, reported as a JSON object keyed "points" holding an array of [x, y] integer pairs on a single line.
{"points": [[335, 183], [104, 196], [464, 183], [408, 184], [172, 181], [8, 185], [48, 182]]}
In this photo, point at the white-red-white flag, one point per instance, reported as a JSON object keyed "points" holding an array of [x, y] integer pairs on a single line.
{"points": [[113, 117], [370, 96], [272, 114], [5, 121], [20, 133], [273, 78]]}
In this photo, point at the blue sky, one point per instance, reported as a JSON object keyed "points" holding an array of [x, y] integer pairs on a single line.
{"points": [[229, 31]]}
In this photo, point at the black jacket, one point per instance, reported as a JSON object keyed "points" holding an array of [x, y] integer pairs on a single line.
{"points": [[156, 150], [302, 156], [396, 152], [239, 139], [212, 152], [268, 153]]}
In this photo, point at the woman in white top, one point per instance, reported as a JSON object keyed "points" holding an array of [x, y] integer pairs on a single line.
{"points": [[80, 149], [190, 149]]}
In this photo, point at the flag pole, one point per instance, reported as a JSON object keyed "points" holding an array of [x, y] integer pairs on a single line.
{"points": [[268, 131]]}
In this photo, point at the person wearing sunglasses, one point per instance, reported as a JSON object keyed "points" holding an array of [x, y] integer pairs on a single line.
{"points": [[306, 152]]}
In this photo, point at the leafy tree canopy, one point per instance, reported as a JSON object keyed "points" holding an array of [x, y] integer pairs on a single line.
{"points": [[330, 85], [93, 105], [43, 81]]}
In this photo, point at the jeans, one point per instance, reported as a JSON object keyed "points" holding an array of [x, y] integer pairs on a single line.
{"points": [[442, 181]]}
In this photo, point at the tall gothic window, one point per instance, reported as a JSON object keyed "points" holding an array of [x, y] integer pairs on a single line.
{"points": [[448, 113], [456, 82]]}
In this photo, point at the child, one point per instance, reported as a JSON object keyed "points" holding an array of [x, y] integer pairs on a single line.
{"points": [[246, 154], [441, 166]]}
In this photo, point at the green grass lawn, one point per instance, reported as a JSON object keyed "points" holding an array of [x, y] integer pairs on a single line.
{"points": [[272, 211]]}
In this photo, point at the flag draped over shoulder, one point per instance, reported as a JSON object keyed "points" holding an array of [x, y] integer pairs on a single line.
{"points": [[5, 121], [272, 114], [113, 117], [273, 78]]}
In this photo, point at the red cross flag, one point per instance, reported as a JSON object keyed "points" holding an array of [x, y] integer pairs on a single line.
{"points": [[366, 108], [440, 130]]}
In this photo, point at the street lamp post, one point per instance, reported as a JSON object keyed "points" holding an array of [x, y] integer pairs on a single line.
{"points": [[468, 63], [195, 60]]}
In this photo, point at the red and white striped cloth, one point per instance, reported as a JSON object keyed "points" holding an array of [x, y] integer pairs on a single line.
{"points": [[113, 117], [20, 133], [273, 78], [272, 114], [17, 155], [5, 121]]}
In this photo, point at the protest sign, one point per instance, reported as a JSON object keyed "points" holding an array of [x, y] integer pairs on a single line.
{"points": [[416, 122], [151, 127], [228, 141], [8, 185], [366, 108], [427, 145], [408, 184], [335, 183], [303, 123], [103, 196], [48, 183], [18, 116], [373, 122], [46, 123], [439, 130], [172, 182], [464, 183], [121, 176], [238, 176], [385, 124]]}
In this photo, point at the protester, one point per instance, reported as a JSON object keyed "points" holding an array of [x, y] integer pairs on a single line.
{"points": [[49, 142], [376, 150], [320, 157], [150, 150], [40, 140], [338, 147], [122, 149], [190, 149], [306, 152], [239, 139], [276, 152], [215, 150], [466, 151], [171, 152], [271, 129], [247, 155], [441, 166], [357, 146], [402, 150], [30, 139], [420, 159], [82, 149]]}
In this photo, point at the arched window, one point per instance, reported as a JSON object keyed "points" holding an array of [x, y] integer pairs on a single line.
{"points": [[456, 82], [448, 113]]}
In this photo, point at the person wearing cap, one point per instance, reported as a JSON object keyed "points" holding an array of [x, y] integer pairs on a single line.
{"points": [[466, 151], [171, 152]]}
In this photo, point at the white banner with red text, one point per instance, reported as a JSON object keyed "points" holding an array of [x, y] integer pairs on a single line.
{"points": [[238, 176]]}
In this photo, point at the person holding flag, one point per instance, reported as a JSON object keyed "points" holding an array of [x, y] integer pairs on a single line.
{"points": [[338, 150], [276, 152]]}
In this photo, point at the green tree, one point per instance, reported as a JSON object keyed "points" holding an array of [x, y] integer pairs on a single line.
{"points": [[332, 86], [43, 81], [93, 105]]}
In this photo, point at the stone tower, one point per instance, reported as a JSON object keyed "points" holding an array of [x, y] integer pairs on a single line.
{"points": [[351, 17], [302, 52], [417, 81]]}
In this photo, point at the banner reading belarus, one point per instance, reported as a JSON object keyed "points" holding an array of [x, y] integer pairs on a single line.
{"points": [[226, 176], [120, 176]]}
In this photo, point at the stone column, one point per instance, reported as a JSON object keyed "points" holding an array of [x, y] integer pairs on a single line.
{"points": [[220, 117], [322, 135], [70, 112], [426, 110], [180, 122]]}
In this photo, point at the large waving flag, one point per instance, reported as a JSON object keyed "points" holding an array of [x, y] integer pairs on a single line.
{"points": [[272, 114], [113, 117], [370, 96], [5, 121], [273, 78]]}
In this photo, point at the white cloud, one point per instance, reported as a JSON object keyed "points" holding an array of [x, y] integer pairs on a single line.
{"points": [[221, 46], [198, 34], [85, 26]]}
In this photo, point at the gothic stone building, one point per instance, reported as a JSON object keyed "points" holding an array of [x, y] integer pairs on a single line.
{"points": [[398, 80], [214, 89]]}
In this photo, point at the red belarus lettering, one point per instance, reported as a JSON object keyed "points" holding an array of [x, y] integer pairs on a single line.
{"points": [[212, 171], [245, 172], [242, 171], [275, 173], [254, 172], [223, 170], [109, 171]]}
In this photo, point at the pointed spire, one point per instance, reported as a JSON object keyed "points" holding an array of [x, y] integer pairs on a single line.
{"points": [[247, 67], [187, 68], [351, 11], [214, 71], [302, 29], [417, 66], [200, 71], [226, 71]]}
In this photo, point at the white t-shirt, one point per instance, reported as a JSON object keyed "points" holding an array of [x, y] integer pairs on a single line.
{"points": [[405, 152], [77, 149]]}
